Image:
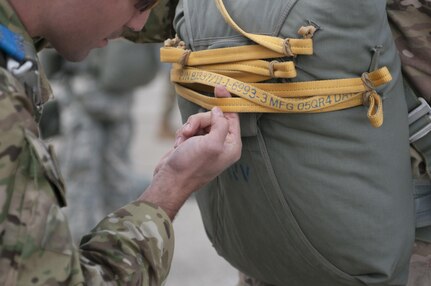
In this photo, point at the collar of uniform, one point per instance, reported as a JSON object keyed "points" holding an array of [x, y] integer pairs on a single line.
{"points": [[10, 19]]}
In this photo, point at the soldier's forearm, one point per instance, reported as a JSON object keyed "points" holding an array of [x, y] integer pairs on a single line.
{"points": [[166, 192]]}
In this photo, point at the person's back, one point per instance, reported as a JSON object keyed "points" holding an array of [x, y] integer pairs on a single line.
{"points": [[314, 199]]}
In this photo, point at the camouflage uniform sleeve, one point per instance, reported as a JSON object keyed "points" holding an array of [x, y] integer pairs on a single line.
{"points": [[411, 24], [132, 246], [159, 26]]}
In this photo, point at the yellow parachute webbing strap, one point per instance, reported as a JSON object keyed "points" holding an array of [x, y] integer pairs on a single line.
{"points": [[219, 56], [256, 70], [373, 100], [245, 61], [242, 69], [287, 47], [299, 97]]}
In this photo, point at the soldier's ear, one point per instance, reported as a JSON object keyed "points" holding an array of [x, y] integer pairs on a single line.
{"points": [[144, 5]]}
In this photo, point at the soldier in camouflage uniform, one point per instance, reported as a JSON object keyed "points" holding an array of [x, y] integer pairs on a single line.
{"points": [[99, 176], [133, 245], [411, 25]]}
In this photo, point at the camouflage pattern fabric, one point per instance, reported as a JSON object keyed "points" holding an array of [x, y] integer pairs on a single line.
{"points": [[132, 246], [411, 23], [159, 26], [411, 26], [9, 19]]}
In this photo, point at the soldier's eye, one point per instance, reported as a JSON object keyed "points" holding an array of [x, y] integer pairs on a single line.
{"points": [[144, 5]]}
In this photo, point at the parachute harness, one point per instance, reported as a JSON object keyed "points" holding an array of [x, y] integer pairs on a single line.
{"points": [[243, 69]]}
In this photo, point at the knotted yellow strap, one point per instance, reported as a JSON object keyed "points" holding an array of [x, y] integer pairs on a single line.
{"points": [[287, 47], [219, 56], [373, 100], [299, 97], [243, 69], [244, 63], [265, 69]]}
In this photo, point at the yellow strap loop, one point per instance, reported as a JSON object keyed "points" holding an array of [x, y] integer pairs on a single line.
{"points": [[245, 60], [236, 104], [219, 56], [287, 47], [301, 97], [375, 109], [373, 101], [265, 69], [183, 61], [322, 87]]}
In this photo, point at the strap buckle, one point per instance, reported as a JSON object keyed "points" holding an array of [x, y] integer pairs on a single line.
{"points": [[423, 109]]}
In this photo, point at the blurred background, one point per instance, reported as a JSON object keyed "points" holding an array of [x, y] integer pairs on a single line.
{"points": [[195, 260], [114, 116]]}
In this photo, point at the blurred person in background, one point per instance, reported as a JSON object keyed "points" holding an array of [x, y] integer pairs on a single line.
{"points": [[97, 127], [166, 129]]}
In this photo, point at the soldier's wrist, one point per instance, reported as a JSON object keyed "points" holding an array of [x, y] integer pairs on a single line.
{"points": [[168, 191]]}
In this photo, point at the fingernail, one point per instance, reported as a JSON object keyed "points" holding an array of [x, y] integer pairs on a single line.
{"points": [[217, 111]]}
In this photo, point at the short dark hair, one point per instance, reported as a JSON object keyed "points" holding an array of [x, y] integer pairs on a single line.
{"points": [[143, 5]]}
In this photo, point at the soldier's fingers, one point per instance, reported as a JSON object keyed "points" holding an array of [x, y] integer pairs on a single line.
{"points": [[234, 125], [221, 91], [200, 123], [219, 129], [197, 124]]}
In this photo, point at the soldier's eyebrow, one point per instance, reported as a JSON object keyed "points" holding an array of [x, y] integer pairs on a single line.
{"points": [[144, 5]]}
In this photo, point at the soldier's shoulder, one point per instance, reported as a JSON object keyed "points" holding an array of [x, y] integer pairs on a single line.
{"points": [[415, 6], [8, 83]]}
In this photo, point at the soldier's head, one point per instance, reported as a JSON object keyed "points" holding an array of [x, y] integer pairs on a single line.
{"points": [[74, 27]]}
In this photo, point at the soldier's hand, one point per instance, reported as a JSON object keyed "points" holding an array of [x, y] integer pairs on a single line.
{"points": [[206, 145]]}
